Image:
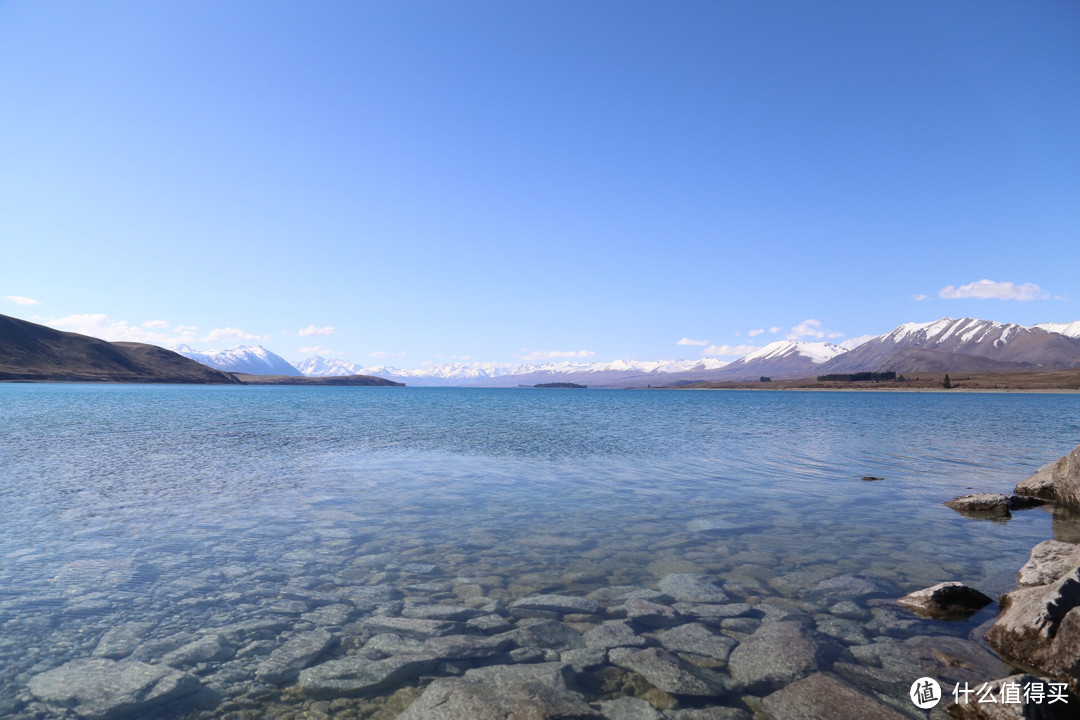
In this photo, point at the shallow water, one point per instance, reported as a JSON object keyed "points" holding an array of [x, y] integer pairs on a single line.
{"points": [[193, 508]]}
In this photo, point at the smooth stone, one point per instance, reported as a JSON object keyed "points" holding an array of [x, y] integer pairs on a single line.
{"points": [[583, 659], [478, 699], [668, 672], [459, 647], [355, 675], [1049, 560], [547, 673], [386, 644], [613, 633], [1029, 620], [545, 634], [296, 654], [697, 639], [100, 688], [845, 587], [489, 623], [822, 696], [410, 627], [122, 640], [849, 611], [628, 708], [441, 612], [945, 601], [707, 612], [650, 614], [207, 649], [561, 604], [693, 587], [981, 504], [776, 654]]}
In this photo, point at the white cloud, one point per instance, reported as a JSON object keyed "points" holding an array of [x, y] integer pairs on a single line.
{"points": [[384, 354], [155, 324], [312, 331], [318, 350], [775, 329], [729, 350], [920, 297], [102, 326], [22, 300], [755, 333], [807, 328], [990, 290], [688, 341], [551, 354], [852, 343], [228, 334]]}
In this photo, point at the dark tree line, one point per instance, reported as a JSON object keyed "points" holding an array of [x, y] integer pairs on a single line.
{"points": [[860, 377]]}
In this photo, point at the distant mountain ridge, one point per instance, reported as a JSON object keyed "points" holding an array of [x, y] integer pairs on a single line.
{"points": [[253, 360]]}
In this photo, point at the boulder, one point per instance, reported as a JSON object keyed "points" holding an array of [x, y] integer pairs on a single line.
{"points": [[100, 688], [1058, 481], [946, 601], [693, 587], [1029, 622], [1041, 484], [991, 504], [776, 654], [560, 604], [822, 696], [668, 672], [1049, 560]]}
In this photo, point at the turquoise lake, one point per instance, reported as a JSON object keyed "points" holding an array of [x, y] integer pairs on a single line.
{"points": [[177, 511]]}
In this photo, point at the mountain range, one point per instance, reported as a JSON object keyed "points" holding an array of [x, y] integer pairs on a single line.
{"points": [[945, 345]]}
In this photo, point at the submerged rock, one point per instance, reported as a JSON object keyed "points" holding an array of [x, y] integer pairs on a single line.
{"points": [[99, 688], [697, 639], [669, 672], [357, 675], [777, 653], [823, 696], [693, 587], [295, 655], [946, 601], [561, 604]]}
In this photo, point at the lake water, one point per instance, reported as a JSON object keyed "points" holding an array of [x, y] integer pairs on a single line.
{"points": [[137, 520]]}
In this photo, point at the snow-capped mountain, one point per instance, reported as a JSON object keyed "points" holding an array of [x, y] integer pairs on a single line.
{"points": [[494, 374], [1069, 329], [951, 344], [782, 359], [255, 360]]}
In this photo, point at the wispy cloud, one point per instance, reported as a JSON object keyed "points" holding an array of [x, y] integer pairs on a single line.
{"points": [[22, 300], [990, 290], [230, 334], [852, 343], [775, 329], [688, 341], [728, 350], [811, 328], [920, 297], [155, 324], [318, 350], [755, 333], [102, 326], [384, 354], [312, 331], [552, 354]]}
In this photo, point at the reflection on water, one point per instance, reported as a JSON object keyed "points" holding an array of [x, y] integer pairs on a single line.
{"points": [[174, 511]]}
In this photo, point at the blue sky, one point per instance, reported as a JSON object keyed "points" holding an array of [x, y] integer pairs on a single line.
{"points": [[416, 182]]}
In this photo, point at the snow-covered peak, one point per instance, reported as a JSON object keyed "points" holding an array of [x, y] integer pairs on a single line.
{"points": [[255, 360], [1071, 329], [955, 331], [817, 352]]}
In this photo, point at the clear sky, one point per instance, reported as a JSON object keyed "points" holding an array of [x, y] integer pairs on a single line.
{"points": [[409, 182]]}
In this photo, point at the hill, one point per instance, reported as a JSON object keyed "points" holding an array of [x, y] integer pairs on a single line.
{"points": [[336, 380], [35, 353]]}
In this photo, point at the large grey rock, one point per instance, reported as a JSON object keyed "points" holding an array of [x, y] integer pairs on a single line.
{"points": [[697, 639], [1049, 560], [207, 649], [1059, 481], [629, 708], [460, 647], [549, 673], [669, 672], [410, 627], [693, 587], [822, 696], [650, 614], [546, 634], [99, 688], [946, 601], [481, 699], [355, 675], [561, 604], [981, 504], [1029, 621], [441, 612], [613, 633], [845, 587], [122, 640], [776, 654], [296, 654]]}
